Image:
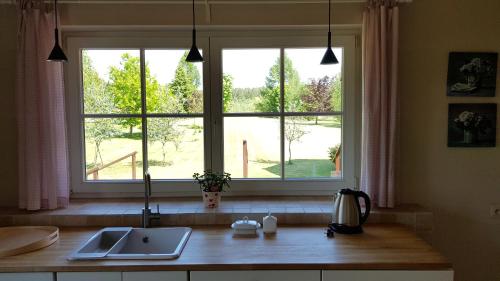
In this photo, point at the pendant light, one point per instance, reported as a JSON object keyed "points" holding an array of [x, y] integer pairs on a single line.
{"points": [[194, 54], [329, 57], [57, 54]]}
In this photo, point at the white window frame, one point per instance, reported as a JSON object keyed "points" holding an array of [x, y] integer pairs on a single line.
{"points": [[212, 42]]}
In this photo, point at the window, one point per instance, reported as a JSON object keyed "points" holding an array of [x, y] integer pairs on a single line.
{"points": [[260, 107], [125, 128], [175, 120], [251, 121], [282, 113], [109, 76]]}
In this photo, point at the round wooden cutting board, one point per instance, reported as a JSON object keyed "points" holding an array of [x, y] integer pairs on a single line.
{"points": [[15, 240]]}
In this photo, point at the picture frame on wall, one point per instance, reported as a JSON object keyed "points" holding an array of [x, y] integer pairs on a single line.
{"points": [[472, 74], [472, 124]]}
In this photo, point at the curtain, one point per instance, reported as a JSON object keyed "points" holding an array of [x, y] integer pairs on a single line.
{"points": [[380, 101], [42, 143]]}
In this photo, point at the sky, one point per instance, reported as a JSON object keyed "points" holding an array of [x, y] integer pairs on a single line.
{"points": [[248, 67]]}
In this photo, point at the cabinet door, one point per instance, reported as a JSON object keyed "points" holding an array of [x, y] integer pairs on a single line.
{"points": [[38, 276], [387, 275], [89, 276], [257, 275], [155, 276]]}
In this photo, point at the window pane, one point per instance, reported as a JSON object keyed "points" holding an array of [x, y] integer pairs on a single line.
{"points": [[310, 86], [252, 147], [111, 81], [112, 150], [251, 80], [172, 84], [175, 147], [311, 143]]}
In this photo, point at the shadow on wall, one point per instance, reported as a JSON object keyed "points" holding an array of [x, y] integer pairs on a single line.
{"points": [[8, 141], [461, 245]]}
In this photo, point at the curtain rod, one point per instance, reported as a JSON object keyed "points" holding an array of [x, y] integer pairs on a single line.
{"points": [[203, 2]]}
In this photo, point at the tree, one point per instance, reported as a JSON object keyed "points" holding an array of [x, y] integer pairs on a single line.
{"points": [[125, 85], [185, 86], [244, 99], [293, 132], [163, 130], [227, 91], [270, 94], [336, 90], [97, 99], [319, 96]]}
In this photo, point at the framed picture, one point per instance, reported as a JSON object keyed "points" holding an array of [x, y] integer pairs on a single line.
{"points": [[472, 124], [472, 74]]}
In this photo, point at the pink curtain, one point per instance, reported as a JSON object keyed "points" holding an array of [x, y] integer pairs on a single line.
{"points": [[42, 142], [380, 101]]}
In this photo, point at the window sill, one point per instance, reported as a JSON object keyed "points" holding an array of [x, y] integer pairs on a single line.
{"points": [[190, 211]]}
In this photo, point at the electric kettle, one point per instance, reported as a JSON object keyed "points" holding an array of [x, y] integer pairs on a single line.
{"points": [[347, 217]]}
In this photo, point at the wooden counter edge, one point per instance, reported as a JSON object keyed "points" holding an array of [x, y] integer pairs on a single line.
{"points": [[226, 267]]}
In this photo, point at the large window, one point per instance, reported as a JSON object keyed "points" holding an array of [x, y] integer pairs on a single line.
{"points": [[261, 108]]}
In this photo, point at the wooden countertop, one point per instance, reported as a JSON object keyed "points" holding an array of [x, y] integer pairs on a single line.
{"points": [[389, 247]]}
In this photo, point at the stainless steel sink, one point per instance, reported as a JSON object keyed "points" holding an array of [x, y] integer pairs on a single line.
{"points": [[134, 243]]}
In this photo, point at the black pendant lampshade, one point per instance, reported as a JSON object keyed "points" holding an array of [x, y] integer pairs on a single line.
{"points": [[57, 53], [329, 57], [194, 54]]}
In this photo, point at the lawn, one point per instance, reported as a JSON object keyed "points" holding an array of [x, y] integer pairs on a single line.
{"points": [[309, 154], [304, 168]]}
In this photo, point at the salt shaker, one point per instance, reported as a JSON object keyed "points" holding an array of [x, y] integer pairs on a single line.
{"points": [[270, 224]]}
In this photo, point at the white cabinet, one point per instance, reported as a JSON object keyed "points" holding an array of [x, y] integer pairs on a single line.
{"points": [[89, 276], [387, 275], [155, 276], [122, 276], [257, 275], [242, 275], [35, 276]]}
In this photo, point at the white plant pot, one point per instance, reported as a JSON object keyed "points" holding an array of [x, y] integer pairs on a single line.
{"points": [[211, 199]]}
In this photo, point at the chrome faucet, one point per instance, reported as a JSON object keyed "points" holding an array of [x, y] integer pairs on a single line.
{"points": [[147, 215]]}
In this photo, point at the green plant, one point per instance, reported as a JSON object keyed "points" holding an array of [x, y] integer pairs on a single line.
{"points": [[185, 86], [270, 94], [212, 182], [332, 151], [125, 87], [227, 91]]}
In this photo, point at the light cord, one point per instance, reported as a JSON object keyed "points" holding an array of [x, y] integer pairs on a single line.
{"points": [[55, 14], [193, 16], [329, 12]]}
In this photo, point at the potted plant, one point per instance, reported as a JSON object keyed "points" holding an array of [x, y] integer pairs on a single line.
{"points": [[212, 185]]}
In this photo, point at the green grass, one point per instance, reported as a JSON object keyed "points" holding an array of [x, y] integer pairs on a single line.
{"points": [[304, 168]]}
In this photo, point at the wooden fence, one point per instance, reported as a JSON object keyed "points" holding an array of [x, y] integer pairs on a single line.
{"points": [[95, 171]]}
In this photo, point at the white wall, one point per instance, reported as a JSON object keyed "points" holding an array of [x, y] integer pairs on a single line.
{"points": [[459, 184]]}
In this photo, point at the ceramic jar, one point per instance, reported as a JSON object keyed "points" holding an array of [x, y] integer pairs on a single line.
{"points": [[211, 199]]}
